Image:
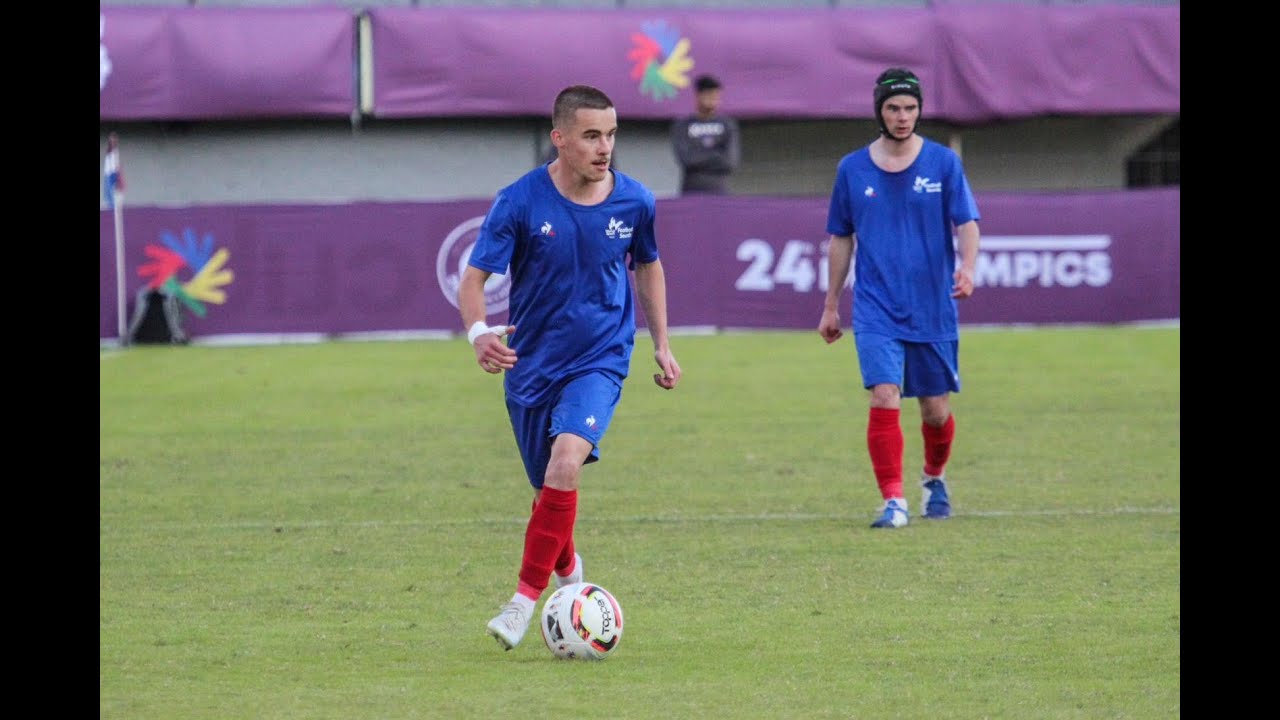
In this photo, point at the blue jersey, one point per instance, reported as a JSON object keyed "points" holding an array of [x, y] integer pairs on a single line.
{"points": [[905, 257], [571, 297]]}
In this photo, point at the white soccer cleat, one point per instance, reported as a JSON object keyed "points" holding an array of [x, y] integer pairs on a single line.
{"points": [[573, 577], [510, 625]]}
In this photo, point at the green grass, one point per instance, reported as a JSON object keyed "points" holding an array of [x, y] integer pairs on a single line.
{"points": [[322, 531]]}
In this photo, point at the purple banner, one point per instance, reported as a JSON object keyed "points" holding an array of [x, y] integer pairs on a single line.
{"points": [[192, 63], [731, 262], [976, 62], [1022, 60]]}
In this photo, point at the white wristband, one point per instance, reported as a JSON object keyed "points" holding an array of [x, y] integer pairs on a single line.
{"points": [[479, 328]]}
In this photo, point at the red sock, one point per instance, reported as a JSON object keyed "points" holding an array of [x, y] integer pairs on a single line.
{"points": [[884, 441], [550, 529], [564, 563], [937, 445]]}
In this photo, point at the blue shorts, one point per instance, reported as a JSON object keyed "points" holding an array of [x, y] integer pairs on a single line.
{"points": [[919, 369], [583, 406]]}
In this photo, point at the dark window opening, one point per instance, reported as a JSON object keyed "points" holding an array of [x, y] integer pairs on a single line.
{"points": [[1157, 163]]}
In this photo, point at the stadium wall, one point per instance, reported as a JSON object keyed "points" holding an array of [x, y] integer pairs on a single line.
{"points": [[392, 269], [330, 161]]}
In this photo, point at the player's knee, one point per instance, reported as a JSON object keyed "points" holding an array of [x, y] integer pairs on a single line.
{"points": [[935, 411], [563, 473], [886, 395]]}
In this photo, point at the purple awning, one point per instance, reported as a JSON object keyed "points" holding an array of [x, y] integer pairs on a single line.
{"points": [[977, 62], [210, 63]]}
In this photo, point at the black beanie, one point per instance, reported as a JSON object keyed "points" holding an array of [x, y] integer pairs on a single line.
{"points": [[895, 81]]}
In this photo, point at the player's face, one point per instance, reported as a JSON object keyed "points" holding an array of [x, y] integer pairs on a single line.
{"points": [[588, 143], [900, 113]]}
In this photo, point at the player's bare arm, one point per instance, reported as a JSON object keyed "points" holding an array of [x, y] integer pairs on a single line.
{"points": [[839, 258], [967, 246], [492, 355], [651, 287]]}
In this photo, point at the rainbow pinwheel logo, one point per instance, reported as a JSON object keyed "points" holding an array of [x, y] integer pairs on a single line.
{"points": [[660, 60], [197, 256]]}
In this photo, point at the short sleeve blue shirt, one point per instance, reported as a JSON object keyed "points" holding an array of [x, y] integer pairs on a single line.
{"points": [[905, 257], [571, 298]]}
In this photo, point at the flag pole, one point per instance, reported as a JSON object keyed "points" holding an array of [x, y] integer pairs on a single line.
{"points": [[120, 301], [113, 191]]}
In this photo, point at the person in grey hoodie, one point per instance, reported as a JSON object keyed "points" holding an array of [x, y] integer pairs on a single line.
{"points": [[706, 144]]}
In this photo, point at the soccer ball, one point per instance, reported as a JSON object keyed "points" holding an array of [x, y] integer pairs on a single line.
{"points": [[582, 621]]}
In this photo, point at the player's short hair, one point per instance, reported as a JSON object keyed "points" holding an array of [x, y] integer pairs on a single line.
{"points": [[706, 82], [575, 98]]}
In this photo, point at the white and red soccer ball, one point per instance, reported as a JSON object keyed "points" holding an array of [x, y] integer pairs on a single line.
{"points": [[582, 621]]}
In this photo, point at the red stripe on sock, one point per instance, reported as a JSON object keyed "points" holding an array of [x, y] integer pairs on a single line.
{"points": [[529, 591], [885, 443]]}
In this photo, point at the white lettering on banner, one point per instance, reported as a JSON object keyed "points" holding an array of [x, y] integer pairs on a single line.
{"points": [[1045, 260], [1003, 261], [794, 268]]}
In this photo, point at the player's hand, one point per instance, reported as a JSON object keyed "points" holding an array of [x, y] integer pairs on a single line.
{"points": [[670, 369], [829, 326], [492, 354], [963, 284]]}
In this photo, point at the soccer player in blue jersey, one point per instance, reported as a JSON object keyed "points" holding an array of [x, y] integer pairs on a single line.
{"points": [[569, 231], [896, 203]]}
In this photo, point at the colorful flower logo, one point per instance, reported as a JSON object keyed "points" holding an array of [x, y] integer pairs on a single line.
{"points": [[660, 60], [197, 256], [104, 62]]}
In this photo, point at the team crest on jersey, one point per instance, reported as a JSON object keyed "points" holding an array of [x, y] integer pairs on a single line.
{"points": [[618, 230], [923, 185]]}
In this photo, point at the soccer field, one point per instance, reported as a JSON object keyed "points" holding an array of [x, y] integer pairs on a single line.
{"points": [[322, 532]]}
